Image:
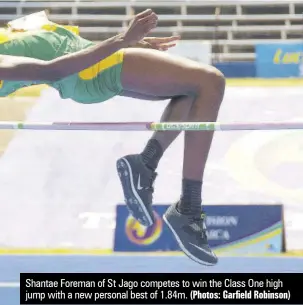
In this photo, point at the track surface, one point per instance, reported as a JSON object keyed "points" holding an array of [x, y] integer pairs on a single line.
{"points": [[12, 266]]}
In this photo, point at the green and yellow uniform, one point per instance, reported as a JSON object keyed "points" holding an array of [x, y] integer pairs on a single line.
{"points": [[95, 84]]}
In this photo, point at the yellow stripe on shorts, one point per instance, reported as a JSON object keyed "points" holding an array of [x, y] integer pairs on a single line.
{"points": [[93, 71]]}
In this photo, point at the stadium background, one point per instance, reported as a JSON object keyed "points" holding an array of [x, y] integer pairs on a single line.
{"points": [[59, 191]]}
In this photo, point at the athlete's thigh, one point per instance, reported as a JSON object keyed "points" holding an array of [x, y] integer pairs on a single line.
{"points": [[142, 96], [158, 73]]}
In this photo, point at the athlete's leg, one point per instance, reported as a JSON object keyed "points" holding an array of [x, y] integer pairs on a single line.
{"points": [[137, 172], [177, 110], [199, 91], [142, 96], [156, 73]]}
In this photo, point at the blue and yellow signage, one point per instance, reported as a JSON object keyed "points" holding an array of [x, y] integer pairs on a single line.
{"points": [[279, 60], [232, 229]]}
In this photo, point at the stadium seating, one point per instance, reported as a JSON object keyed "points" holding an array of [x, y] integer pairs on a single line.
{"points": [[234, 27]]}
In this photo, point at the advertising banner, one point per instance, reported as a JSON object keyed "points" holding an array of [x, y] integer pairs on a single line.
{"points": [[279, 60], [234, 229]]}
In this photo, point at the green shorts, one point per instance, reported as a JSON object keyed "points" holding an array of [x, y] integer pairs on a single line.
{"points": [[95, 84]]}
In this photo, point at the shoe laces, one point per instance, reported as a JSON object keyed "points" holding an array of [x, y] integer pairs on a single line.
{"points": [[152, 182], [150, 188], [200, 222]]}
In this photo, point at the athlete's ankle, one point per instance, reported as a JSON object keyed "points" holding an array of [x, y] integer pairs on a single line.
{"points": [[190, 201], [152, 154]]}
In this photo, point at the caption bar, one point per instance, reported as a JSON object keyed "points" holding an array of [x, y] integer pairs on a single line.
{"points": [[93, 288]]}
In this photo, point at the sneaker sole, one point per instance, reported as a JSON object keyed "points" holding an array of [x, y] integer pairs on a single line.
{"points": [[181, 245], [133, 201]]}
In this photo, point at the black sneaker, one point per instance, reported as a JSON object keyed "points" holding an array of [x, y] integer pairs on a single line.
{"points": [[190, 233], [137, 182]]}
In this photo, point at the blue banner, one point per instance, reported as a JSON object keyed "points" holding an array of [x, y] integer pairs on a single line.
{"points": [[279, 60], [234, 229], [238, 69]]}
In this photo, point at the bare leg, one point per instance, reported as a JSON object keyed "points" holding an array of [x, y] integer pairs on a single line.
{"points": [[197, 87], [177, 110], [143, 96]]}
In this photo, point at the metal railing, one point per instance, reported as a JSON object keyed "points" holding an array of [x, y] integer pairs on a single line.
{"points": [[239, 24]]}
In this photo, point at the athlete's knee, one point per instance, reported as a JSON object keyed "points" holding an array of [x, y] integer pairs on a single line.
{"points": [[207, 80], [213, 80], [218, 78]]}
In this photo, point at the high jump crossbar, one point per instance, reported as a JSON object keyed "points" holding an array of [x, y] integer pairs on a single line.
{"points": [[151, 126]]}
